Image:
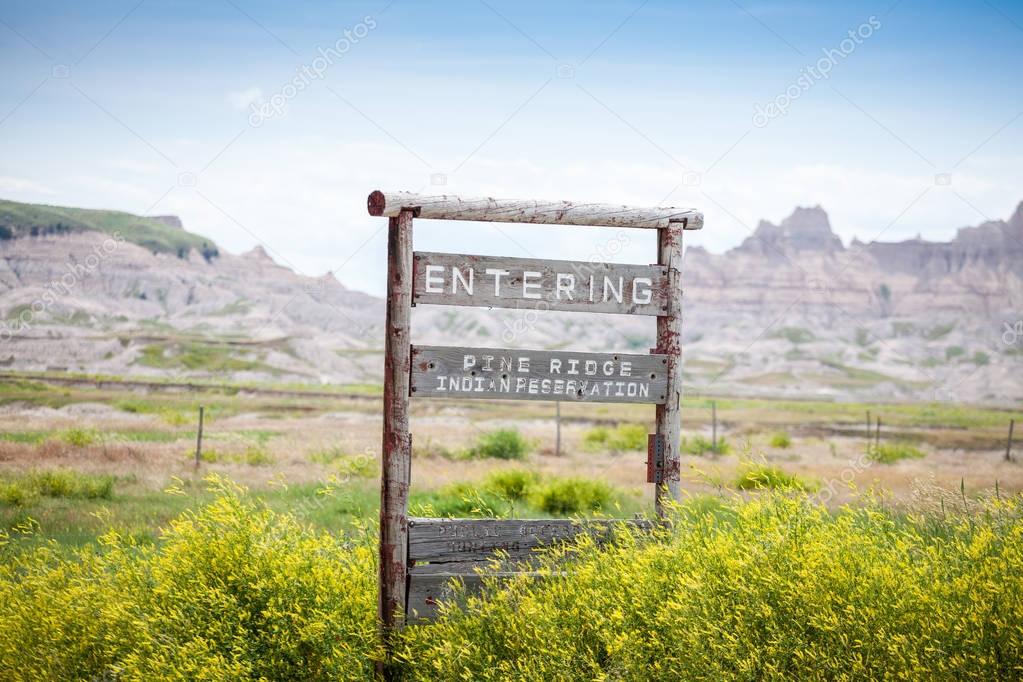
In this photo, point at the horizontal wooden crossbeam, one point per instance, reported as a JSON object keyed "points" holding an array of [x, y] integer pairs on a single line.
{"points": [[450, 207]]}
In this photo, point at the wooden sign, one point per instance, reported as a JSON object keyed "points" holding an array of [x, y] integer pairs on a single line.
{"points": [[419, 558], [443, 551], [495, 282], [444, 542], [515, 374]]}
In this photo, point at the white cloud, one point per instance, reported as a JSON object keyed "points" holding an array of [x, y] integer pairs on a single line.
{"points": [[134, 165], [305, 201], [11, 187]]}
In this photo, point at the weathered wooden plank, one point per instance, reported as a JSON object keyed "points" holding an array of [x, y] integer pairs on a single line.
{"points": [[397, 445], [425, 592], [456, 548], [516, 374], [448, 542], [498, 282], [449, 207], [669, 343]]}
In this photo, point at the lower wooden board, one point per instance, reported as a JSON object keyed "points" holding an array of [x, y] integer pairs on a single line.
{"points": [[518, 374], [448, 541], [446, 553]]}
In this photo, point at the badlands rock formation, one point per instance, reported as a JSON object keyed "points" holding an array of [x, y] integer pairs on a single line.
{"points": [[791, 311]]}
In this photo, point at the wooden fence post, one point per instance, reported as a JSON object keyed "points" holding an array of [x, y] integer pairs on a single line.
{"points": [[198, 440], [557, 432], [669, 342], [1008, 446], [877, 434], [397, 442]]}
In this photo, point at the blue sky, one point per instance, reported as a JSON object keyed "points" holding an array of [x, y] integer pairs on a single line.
{"points": [[148, 107]]}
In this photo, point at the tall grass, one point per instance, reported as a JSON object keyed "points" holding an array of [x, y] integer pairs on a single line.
{"points": [[234, 592], [887, 453], [80, 437], [24, 489], [763, 477], [622, 438], [773, 588]]}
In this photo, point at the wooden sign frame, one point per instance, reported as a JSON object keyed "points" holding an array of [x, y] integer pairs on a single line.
{"points": [[401, 208]]}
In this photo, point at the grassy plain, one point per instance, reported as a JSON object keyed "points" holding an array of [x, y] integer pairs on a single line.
{"points": [[317, 450], [803, 551]]}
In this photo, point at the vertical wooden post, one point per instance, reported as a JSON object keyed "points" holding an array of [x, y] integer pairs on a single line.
{"points": [[669, 342], [198, 440], [397, 442], [1008, 446], [557, 432], [877, 434], [868, 429], [714, 425]]}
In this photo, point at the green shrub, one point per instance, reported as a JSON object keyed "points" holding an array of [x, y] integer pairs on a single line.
{"points": [[256, 455], [62, 483], [233, 591], [80, 437], [176, 417], [458, 500], [15, 494], [698, 445], [780, 440], [628, 437], [566, 496], [761, 477], [208, 455], [774, 588], [511, 484], [887, 453], [622, 438], [134, 405], [500, 444], [595, 439]]}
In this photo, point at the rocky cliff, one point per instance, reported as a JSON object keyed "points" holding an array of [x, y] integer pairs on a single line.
{"points": [[791, 311]]}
